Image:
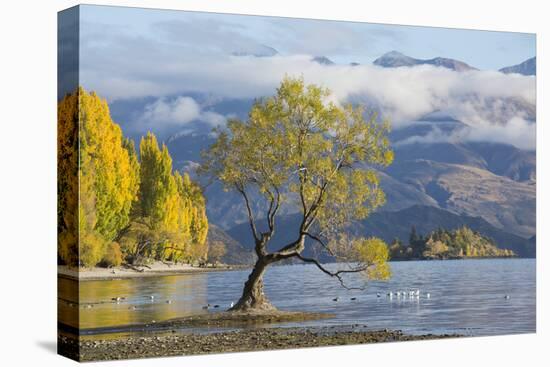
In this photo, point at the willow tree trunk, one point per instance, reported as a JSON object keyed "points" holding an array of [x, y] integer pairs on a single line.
{"points": [[253, 297]]}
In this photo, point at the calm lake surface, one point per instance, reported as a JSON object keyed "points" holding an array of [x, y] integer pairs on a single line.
{"points": [[466, 297]]}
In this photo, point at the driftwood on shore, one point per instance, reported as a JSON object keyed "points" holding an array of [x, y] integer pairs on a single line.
{"points": [[134, 268]]}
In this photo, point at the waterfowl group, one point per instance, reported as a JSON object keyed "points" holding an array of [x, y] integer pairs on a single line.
{"points": [[120, 299], [410, 294], [169, 301], [413, 294], [208, 306]]}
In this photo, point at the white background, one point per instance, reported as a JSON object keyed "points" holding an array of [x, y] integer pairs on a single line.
{"points": [[28, 181]]}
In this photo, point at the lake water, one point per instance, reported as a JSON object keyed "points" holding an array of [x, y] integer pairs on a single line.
{"points": [[466, 297]]}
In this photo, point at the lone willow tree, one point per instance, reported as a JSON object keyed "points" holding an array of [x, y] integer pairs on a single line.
{"points": [[296, 148]]}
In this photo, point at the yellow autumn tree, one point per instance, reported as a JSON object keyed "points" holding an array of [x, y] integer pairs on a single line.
{"points": [[107, 179], [67, 179], [193, 206], [111, 206], [296, 148], [170, 221]]}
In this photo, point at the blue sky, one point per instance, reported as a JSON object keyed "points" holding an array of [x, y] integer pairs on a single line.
{"points": [[341, 41]]}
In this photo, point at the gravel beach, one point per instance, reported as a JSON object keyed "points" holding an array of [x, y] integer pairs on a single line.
{"points": [[131, 347]]}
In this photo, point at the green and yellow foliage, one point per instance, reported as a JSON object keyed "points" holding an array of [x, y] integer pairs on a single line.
{"points": [[106, 195], [375, 252], [113, 255], [372, 253], [299, 148], [105, 161], [67, 179], [448, 244], [463, 242], [171, 205], [216, 251], [296, 142], [97, 180]]}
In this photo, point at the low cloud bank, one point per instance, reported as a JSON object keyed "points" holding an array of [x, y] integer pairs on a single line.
{"points": [[496, 107]]}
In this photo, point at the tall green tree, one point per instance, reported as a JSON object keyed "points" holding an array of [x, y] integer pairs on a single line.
{"points": [[157, 186], [170, 219], [298, 148]]}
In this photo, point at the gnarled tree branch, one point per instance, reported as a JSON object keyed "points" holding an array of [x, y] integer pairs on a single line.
{"points": [[336, 274], [321, 242], [241, 190]]}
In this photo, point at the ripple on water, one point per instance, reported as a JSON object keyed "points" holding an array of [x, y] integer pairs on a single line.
{"points": [[467, 297]]}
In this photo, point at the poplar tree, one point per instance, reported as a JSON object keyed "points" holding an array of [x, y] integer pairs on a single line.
{"points": [[112, 206], [106, 180], [172, 208]]}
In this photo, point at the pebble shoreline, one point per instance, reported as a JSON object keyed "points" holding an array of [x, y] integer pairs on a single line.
{"points": [[232, 341]]}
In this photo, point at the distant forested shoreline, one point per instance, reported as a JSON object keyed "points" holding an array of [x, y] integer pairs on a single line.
{"points": [[443, 244]]}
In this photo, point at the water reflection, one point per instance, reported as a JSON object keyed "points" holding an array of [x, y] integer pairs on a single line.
{"points": [[172, 296], [467, 297]]}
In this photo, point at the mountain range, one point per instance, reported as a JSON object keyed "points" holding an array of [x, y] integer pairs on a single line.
{"points": [[528, 67], [236, 253], [256, 51], [393, 225], [492, 180], [323, 60], [395, 59], [433, 182], [491, 187]]}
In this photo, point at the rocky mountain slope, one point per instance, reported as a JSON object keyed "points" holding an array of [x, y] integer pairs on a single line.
{"points": [[436, 165], [528, 67], [396, 59], [392, 225], [235, 252], [491, 180]]}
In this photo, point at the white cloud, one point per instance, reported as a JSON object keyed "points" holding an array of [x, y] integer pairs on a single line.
{"points": [[496, 106], [517, 132], [435, 136], [176, 113], [213, 118], [179, 111]]}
